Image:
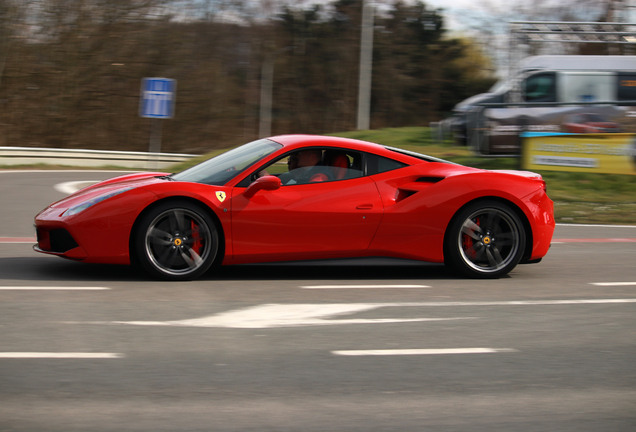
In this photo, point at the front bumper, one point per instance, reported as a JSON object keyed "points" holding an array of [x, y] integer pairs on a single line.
{"points": [[99, 234], [59, 242]]}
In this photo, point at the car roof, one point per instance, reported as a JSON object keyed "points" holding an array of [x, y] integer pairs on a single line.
{"points": [[329, 141], [291, 142]]}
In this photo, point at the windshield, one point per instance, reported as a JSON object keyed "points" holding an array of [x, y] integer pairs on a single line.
{"points": [[224, 167], [499, 87]]}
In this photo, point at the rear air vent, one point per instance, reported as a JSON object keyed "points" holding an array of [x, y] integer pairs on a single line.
{"points": [[402, 194], [409, 189], [429, 179]]}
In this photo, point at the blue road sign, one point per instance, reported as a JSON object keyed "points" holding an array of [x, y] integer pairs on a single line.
{"points": [[157, 97]]}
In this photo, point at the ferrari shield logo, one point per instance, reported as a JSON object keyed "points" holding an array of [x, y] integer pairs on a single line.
{"points": [[220, 196]]}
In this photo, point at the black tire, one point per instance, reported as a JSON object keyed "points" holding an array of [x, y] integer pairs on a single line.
{"points": [[485, 240], [176, 240]]}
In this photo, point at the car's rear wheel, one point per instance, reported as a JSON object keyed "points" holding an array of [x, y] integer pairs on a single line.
{"points": [[485, 240], [176, 241]]}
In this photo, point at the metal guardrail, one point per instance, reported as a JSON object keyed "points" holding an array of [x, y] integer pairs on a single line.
{"points": [[13, 156]]}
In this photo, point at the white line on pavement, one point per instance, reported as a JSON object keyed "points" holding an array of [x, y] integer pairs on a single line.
{"points": [[289, 315], [58, 355], [613, 283], [17, 171], [73, 186], [402, 352], [361, 286], [50, 288], [519, 302], [298, 315]]}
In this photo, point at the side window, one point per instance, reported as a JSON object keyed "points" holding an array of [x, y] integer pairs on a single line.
{"points": [[314, 165], [541, 87], [626, 86], [379, 164]]}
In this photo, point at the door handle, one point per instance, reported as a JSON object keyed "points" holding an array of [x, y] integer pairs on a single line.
{"points": [[365, 207]]}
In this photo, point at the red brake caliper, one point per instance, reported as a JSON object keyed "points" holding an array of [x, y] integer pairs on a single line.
{"points": [[196, 238], [468, 242]]}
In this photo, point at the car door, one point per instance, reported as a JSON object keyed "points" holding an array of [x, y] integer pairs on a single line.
{"points": [[305, 221]]}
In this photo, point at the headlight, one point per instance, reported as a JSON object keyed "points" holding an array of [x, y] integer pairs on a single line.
{"points": [[91, 202]]}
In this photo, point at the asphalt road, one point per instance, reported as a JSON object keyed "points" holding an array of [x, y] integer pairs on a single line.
{"points": [[379, 346]]}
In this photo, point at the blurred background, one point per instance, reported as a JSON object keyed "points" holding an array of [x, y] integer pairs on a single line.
{"points": [[70, 70]]}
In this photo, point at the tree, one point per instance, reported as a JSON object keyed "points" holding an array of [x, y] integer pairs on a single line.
{"points": [[70, 76]]}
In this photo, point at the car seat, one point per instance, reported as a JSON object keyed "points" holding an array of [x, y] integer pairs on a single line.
{"points": [[338, 161]]}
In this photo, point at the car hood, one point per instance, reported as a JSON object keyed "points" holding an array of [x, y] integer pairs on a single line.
{"points": [[112, 186]]}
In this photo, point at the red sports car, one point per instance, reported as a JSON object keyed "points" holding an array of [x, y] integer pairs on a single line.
{"points": [[590, 123], [300, 197]]}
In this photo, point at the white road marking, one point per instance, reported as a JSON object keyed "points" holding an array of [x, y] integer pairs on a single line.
{"points": [[519, 303], [613, 283], [51, 288], [59, 355], [66, 171], [287, 315], [73, 186], [298, 315], [403, 352], [361, 286]]}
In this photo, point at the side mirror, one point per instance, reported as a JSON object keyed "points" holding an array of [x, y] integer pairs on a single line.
{"points": [[267, 182]]}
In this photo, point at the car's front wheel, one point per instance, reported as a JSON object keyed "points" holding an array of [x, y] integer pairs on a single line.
{"points": [[485, 240], [176, 241]]}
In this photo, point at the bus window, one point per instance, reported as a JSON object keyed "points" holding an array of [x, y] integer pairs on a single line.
{"points": [[587, 86], [627, 86]]}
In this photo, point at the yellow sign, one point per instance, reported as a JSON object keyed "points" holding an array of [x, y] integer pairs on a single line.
{"points": [[611, 153], [220, 196]]}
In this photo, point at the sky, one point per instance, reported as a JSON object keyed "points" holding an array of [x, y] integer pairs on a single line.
{"points": [[457, 10], [463, 17], [454, 10]]}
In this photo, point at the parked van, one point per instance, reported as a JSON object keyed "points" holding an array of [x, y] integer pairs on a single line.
{"points": [[562, 85]]}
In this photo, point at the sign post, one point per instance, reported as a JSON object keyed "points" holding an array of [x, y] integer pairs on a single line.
{"points": [[157, 102]]}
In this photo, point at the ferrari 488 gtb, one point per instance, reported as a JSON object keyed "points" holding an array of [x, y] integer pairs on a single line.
{"points": [[299, 197]]}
